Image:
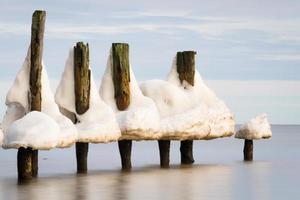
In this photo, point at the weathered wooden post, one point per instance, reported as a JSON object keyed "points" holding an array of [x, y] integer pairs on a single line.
{"points": [[28, 158], [24, 163], [185, 63], [82, 75], [164, 152], [248, 150], [121, 80]]}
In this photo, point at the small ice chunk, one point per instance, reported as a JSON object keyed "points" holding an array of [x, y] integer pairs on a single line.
{"points": [[36, 130], [256, 128]]}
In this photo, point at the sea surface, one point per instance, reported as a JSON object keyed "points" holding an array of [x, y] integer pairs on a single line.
{"points": [[219, 172]]}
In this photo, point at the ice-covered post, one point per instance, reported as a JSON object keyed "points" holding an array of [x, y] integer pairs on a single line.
{"points": [[121, 80], [28, 158], [257, 128], [82, 76], [185, 63]]}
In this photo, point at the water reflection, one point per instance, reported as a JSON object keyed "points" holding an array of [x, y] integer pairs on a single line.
{"points": [[274, 174], [145, 183]]}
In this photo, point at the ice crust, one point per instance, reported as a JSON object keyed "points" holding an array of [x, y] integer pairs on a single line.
{"points": [[256, 128], [18, 107], [159, 109], [36, 130], [186, 111], [1, 136], [140, 121], [98, 124]]}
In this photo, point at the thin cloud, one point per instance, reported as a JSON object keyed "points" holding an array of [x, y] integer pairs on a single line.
{"points": [[278, 31], [280, 57], [263, 88], [13, 28]]}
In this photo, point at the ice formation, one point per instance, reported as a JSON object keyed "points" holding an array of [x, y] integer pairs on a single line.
{"points": [[188, 112], [17, 107], [256, 128], [98, 124], [36, 130], [141, 119], [1, 136]]}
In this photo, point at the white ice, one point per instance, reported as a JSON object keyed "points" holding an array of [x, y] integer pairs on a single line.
{"points": [[1, 136], [98, 124], [256, 128], [188, 112], [141, 119], [17, 106], [36, 130]]}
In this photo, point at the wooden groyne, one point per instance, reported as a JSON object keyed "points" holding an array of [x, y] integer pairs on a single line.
{"points": [[121, 79]]}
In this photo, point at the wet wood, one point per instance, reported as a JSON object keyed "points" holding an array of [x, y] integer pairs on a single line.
{"points": [[185, 63], [121, 74], [125, 147], [121, 80], [248, 150], [35, 163], [36, 46], [35, 95], [82, 155], [24, 163], [186, 150], [82, 76], [164, 152]]}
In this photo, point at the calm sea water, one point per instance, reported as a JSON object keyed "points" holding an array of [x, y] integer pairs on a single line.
{"points": [[218, 173]]}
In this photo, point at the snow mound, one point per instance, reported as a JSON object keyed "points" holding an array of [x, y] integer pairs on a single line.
{"points": [[68, 132], [188, 112], [98, 124], [35, 130], [141, 119], [178, 119], [256, 128], [17, 104]]}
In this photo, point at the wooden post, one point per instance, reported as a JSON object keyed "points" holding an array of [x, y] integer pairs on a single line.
{"points": [[186, 150], [24, 163], [28, 158], [185, 62], [248, 150], [35, 163], [186, 70], [121, 80], [125, 152], [164, 153], [82, 76]]}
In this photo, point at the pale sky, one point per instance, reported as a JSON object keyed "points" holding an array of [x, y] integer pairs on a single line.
{"points": [[248, 51]]}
